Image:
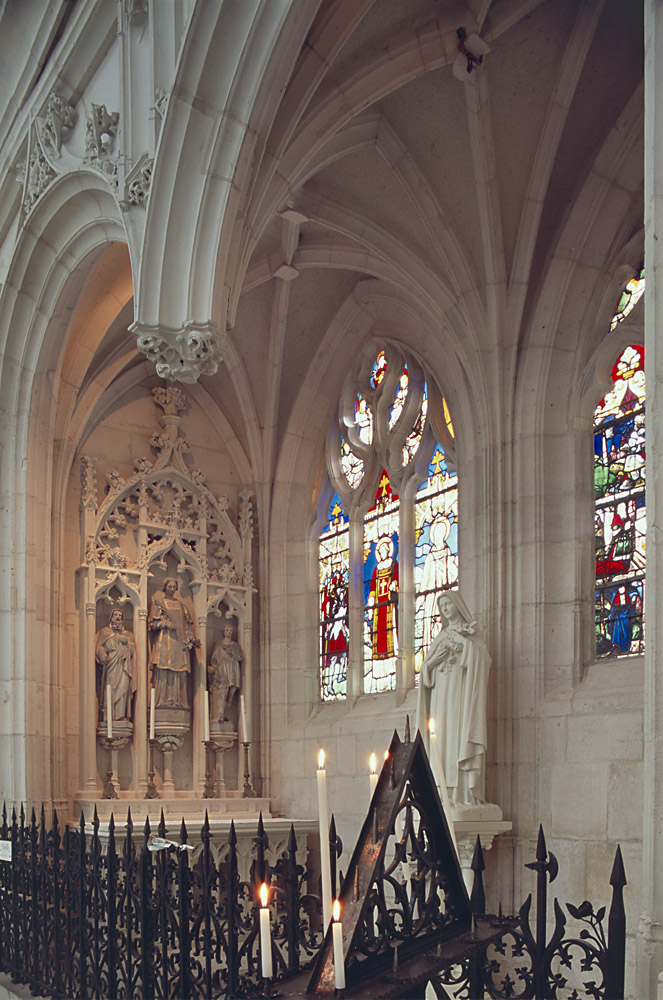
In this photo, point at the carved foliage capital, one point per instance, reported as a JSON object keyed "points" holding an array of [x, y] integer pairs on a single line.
{"points": [[182, 355]]}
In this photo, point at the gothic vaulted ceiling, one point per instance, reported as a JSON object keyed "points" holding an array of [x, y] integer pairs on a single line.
{"points": [[385, 170]]}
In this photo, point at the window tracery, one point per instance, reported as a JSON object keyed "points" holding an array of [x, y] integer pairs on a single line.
{"points": [[389, 543]]}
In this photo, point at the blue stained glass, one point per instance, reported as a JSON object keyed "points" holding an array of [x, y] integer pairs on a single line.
{"points": [[436, 548], [336, 514]]}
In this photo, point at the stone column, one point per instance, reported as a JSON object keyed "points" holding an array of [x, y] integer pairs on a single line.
{"points": [[650, 931]]}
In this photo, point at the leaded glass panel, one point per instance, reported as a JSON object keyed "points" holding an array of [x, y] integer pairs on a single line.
{"points": [[413, 440], [399, 401], [334, 565], [381, 554], [353, 467], [436, 548], [620, 509], [629, 297]]}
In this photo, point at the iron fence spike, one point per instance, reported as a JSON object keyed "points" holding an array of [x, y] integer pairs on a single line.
{"points": [[618, 874]]}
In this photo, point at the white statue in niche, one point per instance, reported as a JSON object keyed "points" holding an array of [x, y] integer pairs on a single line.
{"points": [[224, 675], [171, 624], [115, 652], [452, 692]]}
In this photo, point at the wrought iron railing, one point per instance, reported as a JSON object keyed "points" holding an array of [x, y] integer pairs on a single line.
{"points": [[86, 915]]}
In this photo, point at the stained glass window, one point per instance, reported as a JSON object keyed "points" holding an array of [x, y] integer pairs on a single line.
{"points": [[399, 402], [334, 565], [381, 589], [411, 446], [620, 509], [363, 419], [353, 467], [629, 297], [436, 548], [362, 540]]}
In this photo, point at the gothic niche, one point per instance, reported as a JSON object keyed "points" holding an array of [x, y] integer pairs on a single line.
{"points": [[167, 613]]}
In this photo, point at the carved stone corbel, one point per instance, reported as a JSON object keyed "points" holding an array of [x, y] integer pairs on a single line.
{"points": [[101, 130], [138, 180], [185, 354], [58, 123]]}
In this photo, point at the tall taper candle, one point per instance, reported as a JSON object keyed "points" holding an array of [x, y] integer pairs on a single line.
{"points": [[152, 714], [109, 713], [372, 774], [206, 716], [265, 936], [325, 861], [242, 712], [337, 940]]}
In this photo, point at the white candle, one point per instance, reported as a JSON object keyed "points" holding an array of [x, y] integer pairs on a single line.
{"points": [[265, 936], [325, 862], [242, 713], [109, 713], [441, 780], [372, 775], [337, 939], [206, 716], [152, 714]]}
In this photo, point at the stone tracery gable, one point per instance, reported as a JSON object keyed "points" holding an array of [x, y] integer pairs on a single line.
{"points": [[165, 507]]}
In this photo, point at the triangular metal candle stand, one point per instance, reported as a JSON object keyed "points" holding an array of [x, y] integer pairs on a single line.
{"points": [[403, 891]]}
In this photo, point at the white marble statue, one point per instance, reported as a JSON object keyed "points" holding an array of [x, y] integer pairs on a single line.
{"points": [[452, 691]]}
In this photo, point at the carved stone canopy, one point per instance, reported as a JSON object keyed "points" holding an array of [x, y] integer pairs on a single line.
{"points": [[165, 508]]}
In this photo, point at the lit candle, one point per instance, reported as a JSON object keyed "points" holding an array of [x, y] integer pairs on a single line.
{"points": [[265, 935], [325, 863], [152, 714], [109, 713], [245, 729], [373, 775], [337, 938], [441, 779], [206, 716]]}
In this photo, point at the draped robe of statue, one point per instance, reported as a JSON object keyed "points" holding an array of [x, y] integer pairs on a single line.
{"points": [[171, 624], [115, 652], [225, 675], [452, 691]]}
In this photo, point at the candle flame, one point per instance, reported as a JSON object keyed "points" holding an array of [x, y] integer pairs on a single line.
{"points": [[386, 755], [373, 763], [336, 911], [321, 760], [263, 895], [431, 726]]}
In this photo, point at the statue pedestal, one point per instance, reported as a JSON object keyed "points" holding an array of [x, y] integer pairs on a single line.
{"points": [[483, 820], [222, 739]]}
